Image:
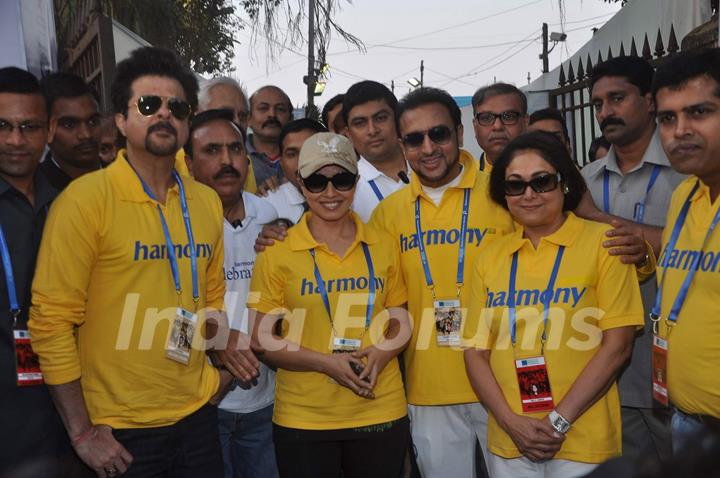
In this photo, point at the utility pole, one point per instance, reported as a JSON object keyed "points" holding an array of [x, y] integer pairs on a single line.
{"points": [[545, 53], [422, 73], [311, 76]]}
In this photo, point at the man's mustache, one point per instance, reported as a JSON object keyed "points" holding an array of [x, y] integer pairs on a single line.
{"points": [[162, 126], [85, 145], [611, 121], [272, 122], [227, 170]]}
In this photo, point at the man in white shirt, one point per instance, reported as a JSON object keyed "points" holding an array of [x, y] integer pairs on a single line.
{"points": [[216, 156], [369, 110], [287, 199]]}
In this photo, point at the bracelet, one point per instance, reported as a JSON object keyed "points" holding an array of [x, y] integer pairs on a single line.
{"points": [[89, 433]]}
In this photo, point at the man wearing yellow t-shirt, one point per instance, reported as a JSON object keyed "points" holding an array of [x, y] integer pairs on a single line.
{"points": [[687, 345], [131, 260], [499, 116], [447, 206]]}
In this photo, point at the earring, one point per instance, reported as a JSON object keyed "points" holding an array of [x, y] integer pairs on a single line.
{"points": [[566, 189]]}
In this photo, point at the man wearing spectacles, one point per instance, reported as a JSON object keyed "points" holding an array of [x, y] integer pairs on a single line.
{"points": [[369, 110], [441, 220], [270, 110], [129, 284], [499, 116], [74, 129], [33, 441]]}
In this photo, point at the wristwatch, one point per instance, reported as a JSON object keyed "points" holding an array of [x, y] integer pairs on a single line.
{"points": [[558, 422]]}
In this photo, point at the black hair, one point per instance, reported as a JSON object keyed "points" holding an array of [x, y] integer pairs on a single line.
{"points": [[687, 66], [365, 91], [550, 114], [637, 71], [597, 143], [153, 61], [425, 96], [554, 152], [65, 85], [301, 124], [497, 89], [332, 103], [18, 81], [201, 119]]}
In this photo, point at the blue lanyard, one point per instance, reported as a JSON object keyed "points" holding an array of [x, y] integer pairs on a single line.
{"points": [[9, 278], [168, 240], [548, 293], [682, 293], [371, 286], [639, 207], [461, 253], [375, 189]]}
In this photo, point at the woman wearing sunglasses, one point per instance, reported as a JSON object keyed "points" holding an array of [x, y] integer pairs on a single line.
{"points": [[336, 283], [551, 322]]}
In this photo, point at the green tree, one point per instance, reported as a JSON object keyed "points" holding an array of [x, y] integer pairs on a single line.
{"points": [[200, 31]]}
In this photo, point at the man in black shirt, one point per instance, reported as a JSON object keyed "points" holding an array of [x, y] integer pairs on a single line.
{"points": [[74, 129], [32, 439]]}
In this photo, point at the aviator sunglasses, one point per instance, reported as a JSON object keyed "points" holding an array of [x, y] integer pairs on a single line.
{"points": [[540, 184], [317, 183], [147, 105], [438, 134]]}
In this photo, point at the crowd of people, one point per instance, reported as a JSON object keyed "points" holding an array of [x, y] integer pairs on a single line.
{"points": [[196, 284]]}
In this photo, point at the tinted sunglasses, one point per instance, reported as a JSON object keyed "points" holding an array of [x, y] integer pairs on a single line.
{"points": [[317, 183], [148, 105], [437, 134], [487, 118], [540, 184]]}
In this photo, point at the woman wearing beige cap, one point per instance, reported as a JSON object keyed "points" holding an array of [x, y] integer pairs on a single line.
{"points": [[335, 283]]}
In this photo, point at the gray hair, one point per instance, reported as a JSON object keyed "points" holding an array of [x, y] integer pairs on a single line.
{"points": [[206, 86], [497, 89]]}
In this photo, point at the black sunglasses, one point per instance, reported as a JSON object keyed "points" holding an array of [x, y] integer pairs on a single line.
{"points": [[486, 118], [437, 134], [147, 105], [317, 183], [540, 184]]}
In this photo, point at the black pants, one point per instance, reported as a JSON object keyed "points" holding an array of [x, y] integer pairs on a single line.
{"points": [[376, 452], [188, 449]]}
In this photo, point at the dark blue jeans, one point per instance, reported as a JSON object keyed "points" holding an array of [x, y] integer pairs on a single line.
{"points": [[188, 449], [247, 443]]}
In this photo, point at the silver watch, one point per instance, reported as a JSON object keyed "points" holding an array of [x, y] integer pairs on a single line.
{"points": [[559, 422]]}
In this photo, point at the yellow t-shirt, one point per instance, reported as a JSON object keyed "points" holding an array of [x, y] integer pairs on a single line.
{"points": [[694, 342], [593, 292], [435, 375], [102, 274], [285, 280]]}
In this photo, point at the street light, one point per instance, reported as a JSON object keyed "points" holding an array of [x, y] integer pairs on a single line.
{"points": [[413, 82]]}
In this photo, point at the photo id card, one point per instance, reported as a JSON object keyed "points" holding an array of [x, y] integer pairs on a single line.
{"points": [[342, 345], [659, 370], [447, 321], [181, 336], [534, 384], [27, 363]]}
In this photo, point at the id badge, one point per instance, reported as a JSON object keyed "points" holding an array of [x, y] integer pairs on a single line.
{"points": [[27, 363], [447, 321], [342, 345], [659, 370], [181, 336], [534, 384]]}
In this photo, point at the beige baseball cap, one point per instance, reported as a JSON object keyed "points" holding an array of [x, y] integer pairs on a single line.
{"points": [[323, 149]]}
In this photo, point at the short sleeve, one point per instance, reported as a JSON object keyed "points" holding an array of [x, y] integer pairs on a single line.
{"points": [[478, 321], [397, 293], [267, 285], [618, 292]]}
